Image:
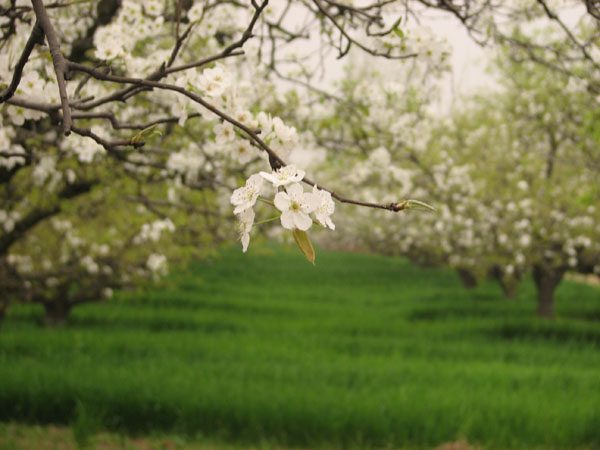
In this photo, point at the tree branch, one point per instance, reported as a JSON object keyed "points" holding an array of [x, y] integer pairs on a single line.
{"points": [[273, 157], [36, 37], [59, 61]]}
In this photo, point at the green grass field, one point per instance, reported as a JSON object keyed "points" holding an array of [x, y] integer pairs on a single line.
{"points": [[359, 351]]}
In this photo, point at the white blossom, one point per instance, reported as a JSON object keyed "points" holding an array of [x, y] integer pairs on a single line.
{"points": [[284, 176], [242, 151], [325, 207], [152, 231], [296, 205], [223, 133], [89, 264], [157, 263], [245, 197]]}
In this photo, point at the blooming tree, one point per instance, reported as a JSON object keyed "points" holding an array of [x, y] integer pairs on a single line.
{"points": [[217, 97], [111, 102], [514, 179]]}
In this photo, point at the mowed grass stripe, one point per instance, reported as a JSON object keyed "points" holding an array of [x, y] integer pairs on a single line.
{"points": [[361, 351]]}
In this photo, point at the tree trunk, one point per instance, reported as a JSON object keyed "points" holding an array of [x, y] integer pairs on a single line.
{"points": [[508, 284], [56, 313], [546, 281], [509, 288], [467, 279], [3, 308]]}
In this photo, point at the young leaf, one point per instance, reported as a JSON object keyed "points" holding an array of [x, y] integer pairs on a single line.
{"points": [[304, 244], [146, 133], [416, 204]]}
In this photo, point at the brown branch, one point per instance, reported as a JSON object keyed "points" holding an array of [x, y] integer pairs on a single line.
{"points": [[108, 145], [180, 39], [59, 61], [274, 159], [202, 62], [164, 70], [36, 37], [351, 40], [169, 87], [553, 16], [49, 108], [13, 155], [395, 207], [117, 125]]}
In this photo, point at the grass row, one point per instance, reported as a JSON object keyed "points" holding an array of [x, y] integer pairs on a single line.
{"points": [[361, 351]]}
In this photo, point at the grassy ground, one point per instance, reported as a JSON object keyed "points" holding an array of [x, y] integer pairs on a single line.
{"points": [[360, 351]]}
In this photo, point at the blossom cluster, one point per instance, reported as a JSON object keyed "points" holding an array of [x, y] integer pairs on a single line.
{"points": [[294, 205]]}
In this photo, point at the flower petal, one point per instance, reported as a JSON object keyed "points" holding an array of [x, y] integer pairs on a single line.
{"points": [[255, 181], [245, 241], [287, 220], [237, 196], [270, 177], [302, 221], [241, 208], [295, 190], [282, 201], [310, 202]]}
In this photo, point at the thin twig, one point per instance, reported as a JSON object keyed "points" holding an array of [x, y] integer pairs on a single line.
{"points": [[36, 37]]}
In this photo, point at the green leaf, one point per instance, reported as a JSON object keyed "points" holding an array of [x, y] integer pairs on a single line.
{"points": [[146, 133], [304, 244], [398, 32], [416, 204]]}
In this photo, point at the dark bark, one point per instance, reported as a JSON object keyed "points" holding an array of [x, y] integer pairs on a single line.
{"points": [[3, 308], [38, 215], [25, 224], [509, 288], [508, 284], [546, 282], [467, 278], [56, 313]]}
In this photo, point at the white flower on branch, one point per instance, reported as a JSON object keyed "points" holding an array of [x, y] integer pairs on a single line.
{"points": [[296, 205], [245, 117], [245, 197], [325, 209], [213, 82], [109, 47], [224, 133], [242, 151], [284, 176]]}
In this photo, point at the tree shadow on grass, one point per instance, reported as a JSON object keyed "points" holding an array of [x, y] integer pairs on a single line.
{"points": [[556, 332]]}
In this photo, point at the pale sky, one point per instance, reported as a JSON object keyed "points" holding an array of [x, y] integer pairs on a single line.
{"points": [[468, 60]]}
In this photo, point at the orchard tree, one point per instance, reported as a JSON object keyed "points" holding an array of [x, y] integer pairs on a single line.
{"points": [[216, 96], [544, 175], [112, 102], [113, 236], [512, 178]]}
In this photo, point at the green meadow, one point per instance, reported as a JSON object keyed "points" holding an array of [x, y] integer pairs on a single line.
{"points": [[359, 351]]}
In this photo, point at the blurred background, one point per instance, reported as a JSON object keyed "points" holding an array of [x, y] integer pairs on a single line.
{"points": [[415, 187]]}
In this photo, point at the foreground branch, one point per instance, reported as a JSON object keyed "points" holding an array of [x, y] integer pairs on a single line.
{"points": [[59, 61], [274, 158]]}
